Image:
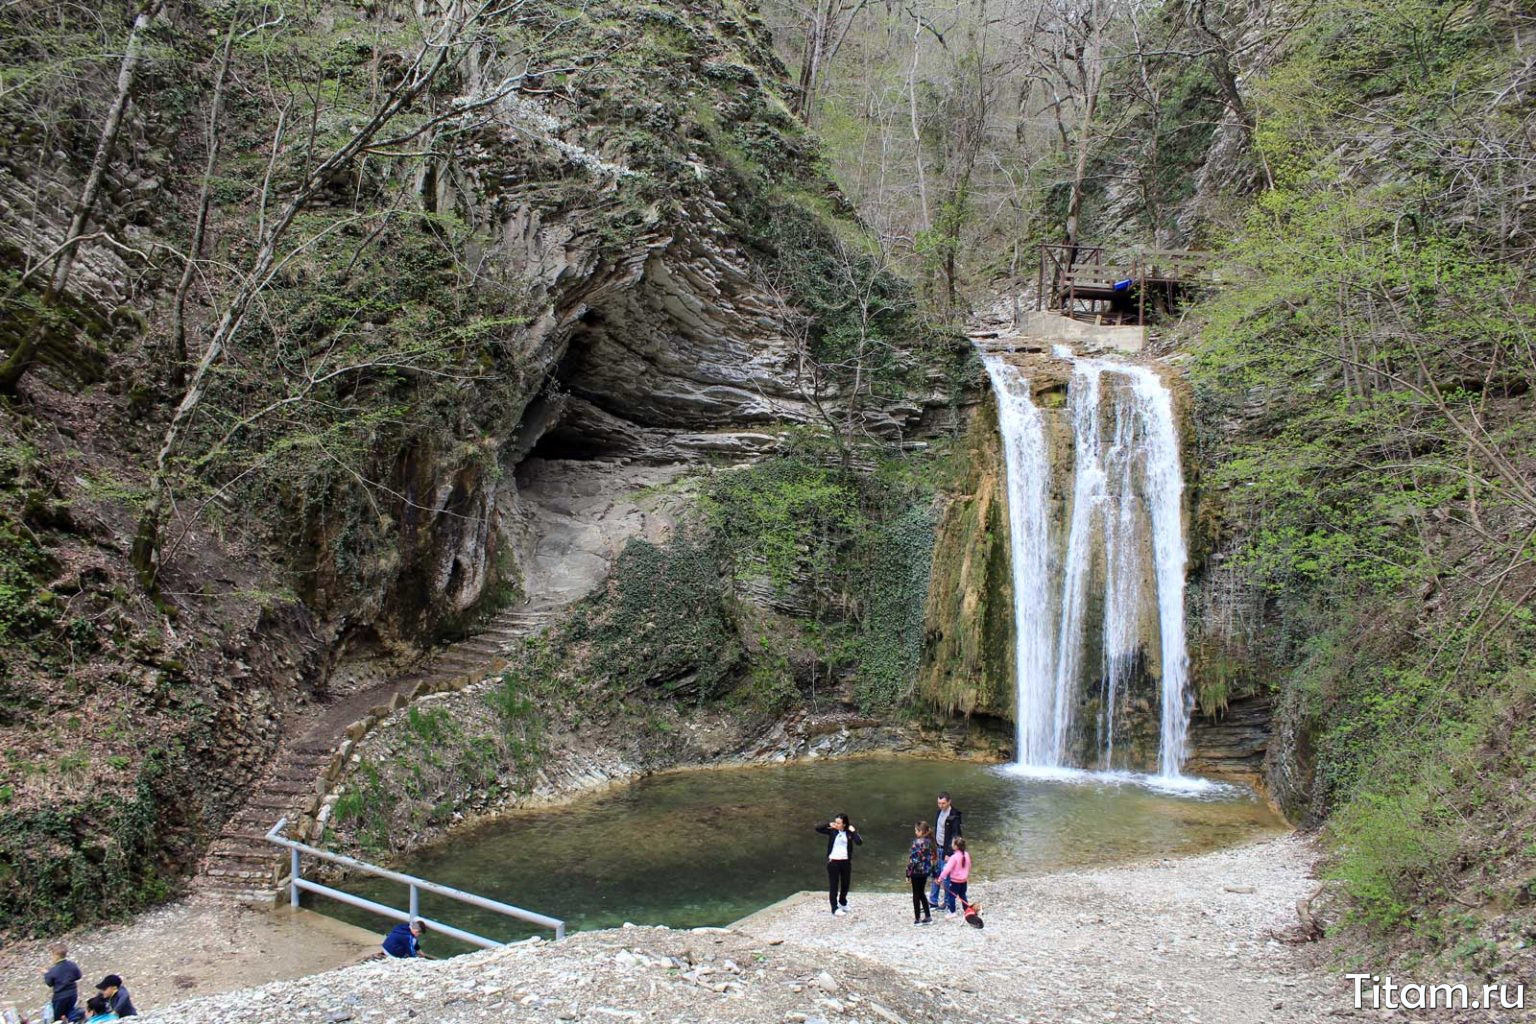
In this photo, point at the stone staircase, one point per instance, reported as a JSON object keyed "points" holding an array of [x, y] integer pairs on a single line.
{"points": [[240, 865]]}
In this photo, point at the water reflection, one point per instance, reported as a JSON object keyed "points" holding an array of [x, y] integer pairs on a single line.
{"points": [[708, 847]]}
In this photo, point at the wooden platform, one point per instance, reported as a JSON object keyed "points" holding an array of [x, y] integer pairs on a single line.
{"points": [[1079, 281]]}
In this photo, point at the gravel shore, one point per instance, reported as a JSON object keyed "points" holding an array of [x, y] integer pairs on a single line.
{"points": [[1186, 941]]}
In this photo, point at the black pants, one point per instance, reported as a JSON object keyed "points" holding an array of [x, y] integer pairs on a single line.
{"points": [[839, 874], [919, 897], [64, 1007]]}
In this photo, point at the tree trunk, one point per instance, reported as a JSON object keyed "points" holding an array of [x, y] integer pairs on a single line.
{"points": [[917, 135], [417, 78], [25, 354], [200, 226], [1093, 76], [810, 64]]}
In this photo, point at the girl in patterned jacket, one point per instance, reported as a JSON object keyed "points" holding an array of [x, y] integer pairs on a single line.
{"points": [[922, 861]]}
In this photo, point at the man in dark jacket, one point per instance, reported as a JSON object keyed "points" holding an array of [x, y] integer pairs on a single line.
{"points": [[946, 829], [115, 993], [63, 977], [403, 940]]}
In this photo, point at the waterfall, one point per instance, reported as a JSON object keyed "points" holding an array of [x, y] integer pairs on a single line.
{"points": [[1087, 503], [1028, 469], [1122, 582], [1164, 483], [1125, 507]]}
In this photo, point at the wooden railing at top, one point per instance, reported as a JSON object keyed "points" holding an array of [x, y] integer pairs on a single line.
{"points": [[1172, 265], [1082, 267], [1059, 261], [1101, 276]]}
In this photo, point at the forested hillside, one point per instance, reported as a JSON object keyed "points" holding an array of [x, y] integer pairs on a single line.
{"points": [[1364, 517], [317, 319], [310, 314], [1370, 446]]}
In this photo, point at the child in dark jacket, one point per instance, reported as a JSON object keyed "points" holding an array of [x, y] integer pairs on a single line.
{"points": [[922, 861], [404, 940], [63, 978]]}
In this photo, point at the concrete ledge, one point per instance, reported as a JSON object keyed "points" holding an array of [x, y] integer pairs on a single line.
{"points": [[772, 910], [337, 929], [1053, 327]]}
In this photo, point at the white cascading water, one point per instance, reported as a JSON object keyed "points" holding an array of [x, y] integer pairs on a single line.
{"points": [[1088, 497], [1028, 469], [1135, 484], [1164, 484], [1122, 580]]}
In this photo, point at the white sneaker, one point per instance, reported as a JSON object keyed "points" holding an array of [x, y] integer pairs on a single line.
{"points": [[952, 914], [843, 912]]}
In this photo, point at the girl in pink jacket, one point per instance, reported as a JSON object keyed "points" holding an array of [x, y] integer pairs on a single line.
{"points": [[958, 871]]}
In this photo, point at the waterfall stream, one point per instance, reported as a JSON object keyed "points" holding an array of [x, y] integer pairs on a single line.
{"points": [[1028, 467], [1116, 548]]}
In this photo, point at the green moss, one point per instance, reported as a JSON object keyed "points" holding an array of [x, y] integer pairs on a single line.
{"points": [[78, 861], [969, 664], [665, 624], [783, 519], [848, 555], [888, 645]]}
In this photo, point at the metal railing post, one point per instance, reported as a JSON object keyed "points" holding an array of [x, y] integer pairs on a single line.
{"points": [[298, 884]]}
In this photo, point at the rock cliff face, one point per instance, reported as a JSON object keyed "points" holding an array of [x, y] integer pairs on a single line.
{"points": [[968, 661], [577, 285]]}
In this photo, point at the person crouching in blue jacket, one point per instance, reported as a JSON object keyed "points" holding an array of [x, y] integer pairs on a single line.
{"points": [[403, 940]]}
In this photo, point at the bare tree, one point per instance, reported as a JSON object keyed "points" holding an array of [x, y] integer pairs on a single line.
{"points": [[200, 222], [438, 53], [1084, 30], [24, 355], [824, 25]]}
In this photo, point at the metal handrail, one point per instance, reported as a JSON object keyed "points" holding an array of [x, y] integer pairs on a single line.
{"points": [[297, 883]]}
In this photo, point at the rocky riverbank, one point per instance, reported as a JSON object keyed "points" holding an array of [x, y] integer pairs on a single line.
{"points": [[1189, 940]]}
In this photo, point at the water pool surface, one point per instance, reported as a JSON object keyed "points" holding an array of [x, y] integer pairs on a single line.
{"points": [[707, 847]]}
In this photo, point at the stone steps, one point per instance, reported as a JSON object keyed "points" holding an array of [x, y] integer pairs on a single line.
{"points": [[240, 865], [237, 860], [231, 836], [460, 659]]}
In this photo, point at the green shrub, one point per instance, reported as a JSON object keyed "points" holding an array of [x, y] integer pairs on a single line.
{"points": [[664, 623], [100, 858], [1391, 846]]}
